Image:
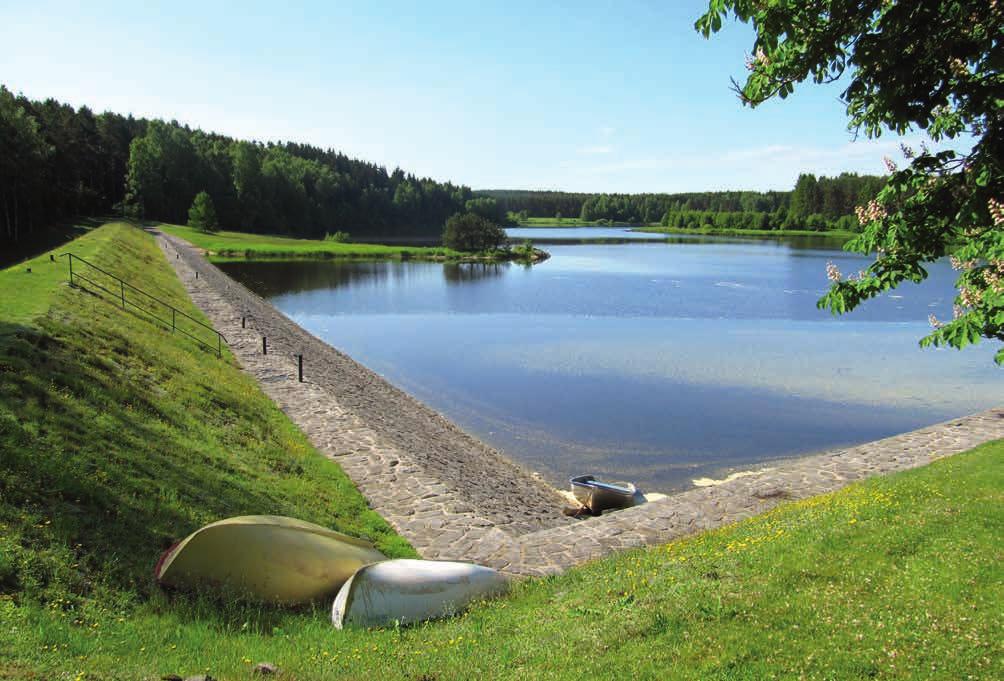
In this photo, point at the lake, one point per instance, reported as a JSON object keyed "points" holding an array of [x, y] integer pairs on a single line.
{"points": [[653, 362]]}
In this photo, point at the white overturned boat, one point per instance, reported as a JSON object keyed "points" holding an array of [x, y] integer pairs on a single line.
{"points": [[271, 558], [600, 496], [408, 591]]}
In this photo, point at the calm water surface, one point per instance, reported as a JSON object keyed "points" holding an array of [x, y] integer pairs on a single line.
{"points": [[658, 363]]}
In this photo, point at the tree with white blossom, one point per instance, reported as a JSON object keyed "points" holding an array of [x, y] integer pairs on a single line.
{"points": [[931, 65]]}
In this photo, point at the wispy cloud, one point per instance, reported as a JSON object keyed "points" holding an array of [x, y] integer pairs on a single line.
{"points": [[597, 149], [762, 167]]}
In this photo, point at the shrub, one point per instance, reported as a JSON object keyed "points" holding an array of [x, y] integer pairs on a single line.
{"points": [[202, 214], [472, 233]]}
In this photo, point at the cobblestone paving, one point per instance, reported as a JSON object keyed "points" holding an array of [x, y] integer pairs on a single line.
{"points": [[453, 497], [442, 489]]}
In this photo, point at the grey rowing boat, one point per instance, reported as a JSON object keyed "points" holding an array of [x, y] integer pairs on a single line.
{"points": [[600, 496]]}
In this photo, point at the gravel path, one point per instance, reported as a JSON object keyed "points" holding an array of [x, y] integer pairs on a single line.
{"points": [[453, 497]]}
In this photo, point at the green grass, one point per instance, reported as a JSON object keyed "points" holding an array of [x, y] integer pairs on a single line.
{"points": [[49, 237], [836, 233], [240, 244], [117, 437]]}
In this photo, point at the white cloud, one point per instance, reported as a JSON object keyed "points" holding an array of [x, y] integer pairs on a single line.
{"points": [[772, 166], [597, 149]]}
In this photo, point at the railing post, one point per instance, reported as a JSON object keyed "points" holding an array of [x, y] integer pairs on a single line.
{"points": [[71, 268], [299, 363], [219, 345], [122, 292], [243, 322], [264, 345], [174, 319]]}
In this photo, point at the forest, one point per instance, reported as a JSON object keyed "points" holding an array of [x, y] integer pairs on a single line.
{"points": [[58, 162], [815, 203]]}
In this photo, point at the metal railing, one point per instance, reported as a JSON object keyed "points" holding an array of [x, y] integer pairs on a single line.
{"points": [[124, 286]]}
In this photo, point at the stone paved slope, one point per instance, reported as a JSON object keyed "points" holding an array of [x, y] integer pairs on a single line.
{"points": [[453, 497], [441, 488]]}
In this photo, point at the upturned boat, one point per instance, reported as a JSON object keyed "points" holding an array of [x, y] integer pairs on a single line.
{"points": [[271, 558], [405, 591]]}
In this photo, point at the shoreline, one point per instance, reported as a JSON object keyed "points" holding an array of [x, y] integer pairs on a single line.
{"points": [[830, 234], [456, 498], [224, 245], [419, 470]]}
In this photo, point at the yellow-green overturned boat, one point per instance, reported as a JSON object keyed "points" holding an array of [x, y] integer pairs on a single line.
{"points": [[271, 558], [405, 591]]}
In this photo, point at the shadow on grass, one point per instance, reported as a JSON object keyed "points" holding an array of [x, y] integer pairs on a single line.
{"points": [[42, 240]]}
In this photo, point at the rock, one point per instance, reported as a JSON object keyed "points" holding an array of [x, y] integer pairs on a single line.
{"points": [[265, 668], [171, 677], [200, 677], [772, 493]]}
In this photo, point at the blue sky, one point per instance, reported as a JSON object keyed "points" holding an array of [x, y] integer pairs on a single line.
{"points": [[617, 96]]}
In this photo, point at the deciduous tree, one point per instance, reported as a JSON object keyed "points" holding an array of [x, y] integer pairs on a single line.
{"points": [[472, 233], [932, 65], [202, 214]]}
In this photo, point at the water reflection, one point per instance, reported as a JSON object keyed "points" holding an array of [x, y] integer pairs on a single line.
{"points": [[460, 273]]}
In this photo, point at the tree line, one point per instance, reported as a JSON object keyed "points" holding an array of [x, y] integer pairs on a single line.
{"points": [[57, 162], [814, 203]]}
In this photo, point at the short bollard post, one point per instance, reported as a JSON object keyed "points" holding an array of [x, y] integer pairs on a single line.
{"points": [[196, 274], [264, 345], [244, 322], [52, 258], [299, 366]]}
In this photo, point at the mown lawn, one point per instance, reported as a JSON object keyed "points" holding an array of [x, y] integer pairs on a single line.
{"points": [[117, 437], [240, 244]]}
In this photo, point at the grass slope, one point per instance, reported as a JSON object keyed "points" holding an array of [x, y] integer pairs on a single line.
{"points": [[240, 244], [117, 436], [897, 577]]}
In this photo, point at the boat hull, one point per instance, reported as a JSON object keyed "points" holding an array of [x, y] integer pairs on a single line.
{"points": [[600, 496], [270, 558], [406, 591]]}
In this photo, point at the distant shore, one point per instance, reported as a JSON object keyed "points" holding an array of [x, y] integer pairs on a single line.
{"points": [[569, 223], [835, 234]]}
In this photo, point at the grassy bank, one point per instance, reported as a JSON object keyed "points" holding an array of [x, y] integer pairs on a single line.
{"points": [[221, 246], [117, 437], [835, 234], [241, 244]]}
